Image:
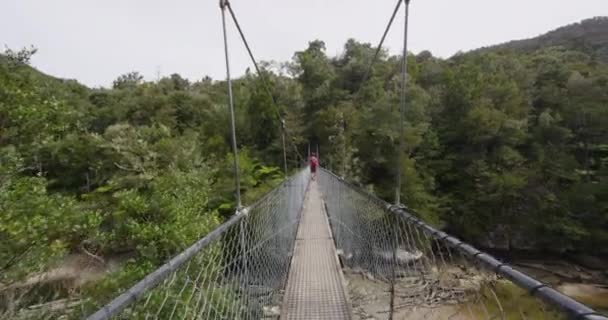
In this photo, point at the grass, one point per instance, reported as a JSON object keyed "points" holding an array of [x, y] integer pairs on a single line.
{"points": [[504, 300]]}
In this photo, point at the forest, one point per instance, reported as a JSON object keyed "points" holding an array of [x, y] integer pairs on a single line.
{"points": [[504, 147]]}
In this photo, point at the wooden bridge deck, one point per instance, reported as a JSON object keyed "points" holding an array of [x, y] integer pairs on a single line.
{"points": [[315, 287]]}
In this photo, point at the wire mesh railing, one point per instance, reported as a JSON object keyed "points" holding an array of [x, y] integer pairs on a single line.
{"points": [[398, 267], [238, 271]]}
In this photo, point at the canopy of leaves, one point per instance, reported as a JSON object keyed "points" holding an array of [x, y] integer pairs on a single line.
{"points": [[505, 148]]}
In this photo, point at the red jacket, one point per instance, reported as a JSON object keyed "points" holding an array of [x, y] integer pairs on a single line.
{"points": [[314, 162]]}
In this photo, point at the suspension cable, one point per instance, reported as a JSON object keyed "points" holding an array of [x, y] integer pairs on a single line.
{"points": [[378, 48], [403, 101], [266, 88], [237, 178], [371, 65], [246, 43], [284, 151]]}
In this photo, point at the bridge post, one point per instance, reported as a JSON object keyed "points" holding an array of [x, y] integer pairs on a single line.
{"points": [[284, 151], [244, 261], [237, 180], [403, 101], [393, 271]]}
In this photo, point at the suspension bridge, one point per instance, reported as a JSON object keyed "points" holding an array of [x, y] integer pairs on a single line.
{"points": [[288, 256], [325, 248]]}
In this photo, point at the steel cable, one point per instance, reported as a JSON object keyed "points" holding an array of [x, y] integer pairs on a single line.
{"points": [[378, 49], [415, 271], [238, 273], [264, 82]]}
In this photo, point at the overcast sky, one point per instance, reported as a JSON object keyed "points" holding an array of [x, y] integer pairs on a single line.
{"points": [[94, 41]]}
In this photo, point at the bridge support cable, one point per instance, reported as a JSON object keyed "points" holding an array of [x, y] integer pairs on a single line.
{"points": [[237, 271], [428, 273], [237, 178], [378, 48], [266, 86], [368, 72], [283, 143], [403, 102]]}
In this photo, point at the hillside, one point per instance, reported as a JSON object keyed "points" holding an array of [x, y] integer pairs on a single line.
{"points": [[4, 59], [504, 148], [589, 36]]}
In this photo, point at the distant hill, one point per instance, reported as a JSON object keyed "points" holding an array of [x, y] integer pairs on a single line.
{"points": [[589, 36], [47, 78]]}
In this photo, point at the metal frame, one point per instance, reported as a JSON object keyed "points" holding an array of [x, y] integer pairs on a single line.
{"points": [[116, 306], [573, 308], [150, 281]]}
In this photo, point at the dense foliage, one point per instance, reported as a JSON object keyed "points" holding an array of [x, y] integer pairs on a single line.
{"points": [[127, 176], [588, 36], [504, 148]]}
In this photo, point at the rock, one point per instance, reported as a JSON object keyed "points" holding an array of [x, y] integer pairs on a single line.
{"points": [[369, 276], [402, 256], [591, 262], [590, 294], [272, 311], [472, 283], [586, 277]]}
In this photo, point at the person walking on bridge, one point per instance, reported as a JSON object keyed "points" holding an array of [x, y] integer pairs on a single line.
{"points": [[314, 163]]}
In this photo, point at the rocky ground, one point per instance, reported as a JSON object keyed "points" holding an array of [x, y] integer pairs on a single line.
{"points": [[431, 297], [585, 284], [456, 294]]}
